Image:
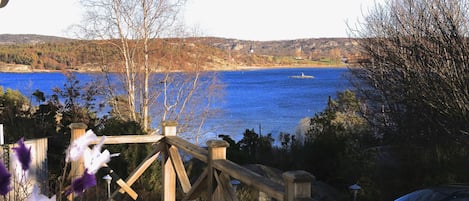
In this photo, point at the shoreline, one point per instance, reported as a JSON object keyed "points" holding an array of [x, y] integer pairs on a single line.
{"points": [[247, 68], [22, 69], [286, 67]]}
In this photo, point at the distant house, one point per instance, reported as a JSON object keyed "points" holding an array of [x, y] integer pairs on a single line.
{"points": [[344, 59]]}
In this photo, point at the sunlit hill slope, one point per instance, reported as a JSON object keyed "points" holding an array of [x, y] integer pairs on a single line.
{"points": [[27, 53]]}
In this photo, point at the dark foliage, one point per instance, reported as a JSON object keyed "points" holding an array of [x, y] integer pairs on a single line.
{"points": [[253, 148], [416, 86]]}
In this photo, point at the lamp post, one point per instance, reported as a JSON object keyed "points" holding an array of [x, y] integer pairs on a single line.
{"points": [[108, 180], [355, 188]]}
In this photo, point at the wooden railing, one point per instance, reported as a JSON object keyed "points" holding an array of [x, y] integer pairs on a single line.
{"points": [[215, 179]]}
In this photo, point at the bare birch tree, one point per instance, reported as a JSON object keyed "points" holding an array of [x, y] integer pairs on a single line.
{"points": [[135, 28], [417, 71]]}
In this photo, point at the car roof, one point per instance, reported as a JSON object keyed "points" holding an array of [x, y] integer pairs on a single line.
{"points": [[438, 193]]}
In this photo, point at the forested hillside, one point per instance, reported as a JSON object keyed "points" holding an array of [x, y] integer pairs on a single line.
{"points": [[315, 49], [47, 53], [84, 55], [15, 39]]}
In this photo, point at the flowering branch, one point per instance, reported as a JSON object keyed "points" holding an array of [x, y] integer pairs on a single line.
{"points": [[23, 154], [94, 159], [5, 180]]}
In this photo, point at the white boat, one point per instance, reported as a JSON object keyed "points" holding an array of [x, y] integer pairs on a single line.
{"points": [[302, 76]]}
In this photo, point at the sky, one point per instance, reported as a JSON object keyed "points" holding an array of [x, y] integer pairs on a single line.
{"points": [[239, 19]]}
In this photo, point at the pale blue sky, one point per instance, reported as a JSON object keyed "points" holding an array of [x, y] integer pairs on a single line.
{"points": [[275, 19], [240, 19]]}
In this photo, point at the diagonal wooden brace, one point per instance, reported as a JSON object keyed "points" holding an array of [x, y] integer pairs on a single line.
{"points": [[121, 182], [152, 156], [179, 168]]}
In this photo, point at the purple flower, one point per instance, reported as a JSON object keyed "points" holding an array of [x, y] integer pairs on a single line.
{"points": [[86, 181], [23, 154], [5, 179]]}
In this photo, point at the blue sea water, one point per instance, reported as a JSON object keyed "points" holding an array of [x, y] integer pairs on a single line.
{"points": [[269, 101], [266, 100]]}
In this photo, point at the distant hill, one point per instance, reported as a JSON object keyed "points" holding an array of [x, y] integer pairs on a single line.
{"points": [[10, 39], [38, 52], [272, 48], [316, 49], [283, 47]]}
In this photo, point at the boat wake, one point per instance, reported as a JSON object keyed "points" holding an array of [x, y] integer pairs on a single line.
{"points": [[302, 76]]}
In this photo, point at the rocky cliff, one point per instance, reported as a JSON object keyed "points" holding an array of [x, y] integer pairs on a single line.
{"points": [[298, 48]]}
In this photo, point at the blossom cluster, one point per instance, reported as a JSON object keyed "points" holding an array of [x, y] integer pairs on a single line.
{"points": [[93, 159]]}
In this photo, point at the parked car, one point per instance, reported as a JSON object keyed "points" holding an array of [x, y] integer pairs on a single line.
{"points": [[440, 193]]}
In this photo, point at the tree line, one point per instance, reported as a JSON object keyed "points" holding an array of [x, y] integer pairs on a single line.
{"points": [[89, 55]]}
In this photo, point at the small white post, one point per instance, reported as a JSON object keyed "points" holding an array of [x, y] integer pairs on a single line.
{"points": [[108, 180], [2, 137]]}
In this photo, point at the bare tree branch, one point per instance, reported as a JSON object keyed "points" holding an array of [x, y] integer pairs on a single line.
{"points": [[418, 65]]}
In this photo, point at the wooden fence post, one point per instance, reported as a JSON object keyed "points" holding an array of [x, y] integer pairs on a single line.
{"points": [[77, 167], [77, 130], [298, 185], [169, 175], [216, 150]]}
